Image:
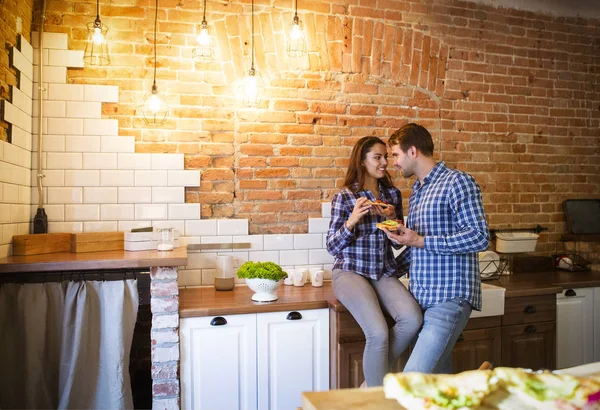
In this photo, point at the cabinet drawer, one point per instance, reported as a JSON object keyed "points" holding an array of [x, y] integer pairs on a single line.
{"points": [[529, 309]]}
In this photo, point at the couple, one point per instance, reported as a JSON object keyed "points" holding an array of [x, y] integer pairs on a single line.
{"points": [[446, 227]]}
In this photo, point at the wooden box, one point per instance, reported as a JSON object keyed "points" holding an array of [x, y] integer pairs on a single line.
{"points": [[97, 241], [36, 244]]}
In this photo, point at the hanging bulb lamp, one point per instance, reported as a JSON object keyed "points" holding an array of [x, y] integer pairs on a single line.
{"points": [[296, 43], [205, 43], [252, 87], [96, 48], [154, 110]]}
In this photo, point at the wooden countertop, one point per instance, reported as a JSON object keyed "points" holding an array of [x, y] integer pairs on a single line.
{"points": [[67, 261], [371, 398], [206, 301]]}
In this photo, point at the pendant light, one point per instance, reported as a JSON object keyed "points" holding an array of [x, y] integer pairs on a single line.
{"points": [[296, 44], [205, 44], [251, 90], [96, 48], [154, 110]]}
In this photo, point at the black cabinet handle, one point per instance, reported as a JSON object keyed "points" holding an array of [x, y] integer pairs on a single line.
{"points": [[530, 329], [294, 316], [530, 309], [570, 293], [218, 321], [460, 338]]}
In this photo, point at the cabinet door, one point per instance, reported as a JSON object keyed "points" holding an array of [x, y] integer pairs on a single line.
{"points": [[531, 346], [475, 347], [574, 327], [350, 356], [293, 357], [218, 362]]}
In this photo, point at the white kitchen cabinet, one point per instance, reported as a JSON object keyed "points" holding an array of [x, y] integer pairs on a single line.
{"points": [[218, 362], [293, 357], [258, 361], [575, 327]]}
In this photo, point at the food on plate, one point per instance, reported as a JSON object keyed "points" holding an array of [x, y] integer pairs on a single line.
{"points": [[413, 390], [389, 224], [379, 202], [502, 388]]}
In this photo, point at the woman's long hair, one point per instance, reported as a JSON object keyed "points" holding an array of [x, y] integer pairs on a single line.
{"points": [[356, 171]]}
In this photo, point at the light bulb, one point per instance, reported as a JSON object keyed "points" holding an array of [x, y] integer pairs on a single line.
{"points": [[97, 37], [296, 33], [203, 38], [154, 104], [251, 88]]}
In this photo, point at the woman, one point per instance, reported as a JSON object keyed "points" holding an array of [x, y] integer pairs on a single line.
{"points": [[364, 272]]}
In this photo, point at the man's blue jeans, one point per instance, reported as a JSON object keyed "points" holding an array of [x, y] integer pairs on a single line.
{"points": [[442, 325]]}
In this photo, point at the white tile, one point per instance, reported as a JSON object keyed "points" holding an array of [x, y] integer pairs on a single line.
{"points": [[5, 251], [65, 126], [107, 127], [25, 48], [134, 161], [23, 102], [65, 92], [179, 226], [208, 276], [318, 225], [184, 211], [150, 178], [204, 227], [116, 178], [81, 143], [81, 109], [12, 154], [50, 109], [26, 85], [19, 213], [66, 58], [264, 256], [65, 195], [167, 161], [189, 277], [326, 209], [36, 57], [101, 93], [4, 213], [63, 160], [216, 239], [82, 178], [232, 227], [168, 195], [298, 257], [256, 241], [10, 193], [188, 240], [35, 126], [319, 256], [24, 195], [2, 144], [17, 117], [8, 231], [135, 195], [189, 178], [93, 195], [51, 40], [308, 241], [324, 241], [147, 212], [21, 63], [82, 212], [52, 75], [99, 161], [110, 212], [198, 260], [278, 242], [72, 227], [129, 225], [51, 143], [241, 257], [111, 226]]}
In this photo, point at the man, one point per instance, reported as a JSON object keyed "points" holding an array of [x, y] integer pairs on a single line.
{"points": [[445, 230]]}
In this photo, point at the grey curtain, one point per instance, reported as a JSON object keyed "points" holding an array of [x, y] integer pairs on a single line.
{"points": [[66, 345]]}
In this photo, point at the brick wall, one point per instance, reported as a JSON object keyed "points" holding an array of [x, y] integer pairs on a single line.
{"points": [[510, 96]]}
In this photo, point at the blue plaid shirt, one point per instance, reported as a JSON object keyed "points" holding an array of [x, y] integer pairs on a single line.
{"points": [[366, 250], [447, 211]]}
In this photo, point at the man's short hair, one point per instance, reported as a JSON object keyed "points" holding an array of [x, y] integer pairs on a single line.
{"points": [[413, 135]]}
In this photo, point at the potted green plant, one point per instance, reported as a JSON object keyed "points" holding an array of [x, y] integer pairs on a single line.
{"points": [[264, 278]]}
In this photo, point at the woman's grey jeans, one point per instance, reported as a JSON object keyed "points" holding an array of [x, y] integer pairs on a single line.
{"points": [[365, 298]]}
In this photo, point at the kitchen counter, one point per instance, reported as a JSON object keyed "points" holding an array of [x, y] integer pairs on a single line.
{"points": [[206, 301], [67, 261]]}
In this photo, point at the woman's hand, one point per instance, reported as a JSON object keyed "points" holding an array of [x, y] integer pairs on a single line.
{"points": [[361, 208], [386, 211]]}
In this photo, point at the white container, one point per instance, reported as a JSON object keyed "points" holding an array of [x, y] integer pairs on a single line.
{"points": [[516, 242]]}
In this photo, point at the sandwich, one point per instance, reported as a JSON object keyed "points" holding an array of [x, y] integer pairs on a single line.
{"points": [[389, 224], [413, 390], [379, 202]]}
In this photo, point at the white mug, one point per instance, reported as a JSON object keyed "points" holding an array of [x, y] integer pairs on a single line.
{"points": [[227, 266], [316, 277], [290, 277], [299, 277]]}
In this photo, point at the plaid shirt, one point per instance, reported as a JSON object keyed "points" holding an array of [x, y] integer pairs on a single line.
{"points": [[448, 211], [366, 250]]}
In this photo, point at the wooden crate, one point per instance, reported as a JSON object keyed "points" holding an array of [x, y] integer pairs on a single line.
{"points": [[97, 241], [36, 244]]}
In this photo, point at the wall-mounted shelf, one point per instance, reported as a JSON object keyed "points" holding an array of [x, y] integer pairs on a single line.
{"points": [[197, 247]]}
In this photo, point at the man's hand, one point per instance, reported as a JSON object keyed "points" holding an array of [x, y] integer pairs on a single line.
{"points": [[406, 237]]}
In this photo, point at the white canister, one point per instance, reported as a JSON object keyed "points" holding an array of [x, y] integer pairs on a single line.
{"points": [[316, 277]]}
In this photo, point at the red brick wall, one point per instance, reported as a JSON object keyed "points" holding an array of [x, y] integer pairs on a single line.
{"points": [[9, 11], [510, 96]]}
